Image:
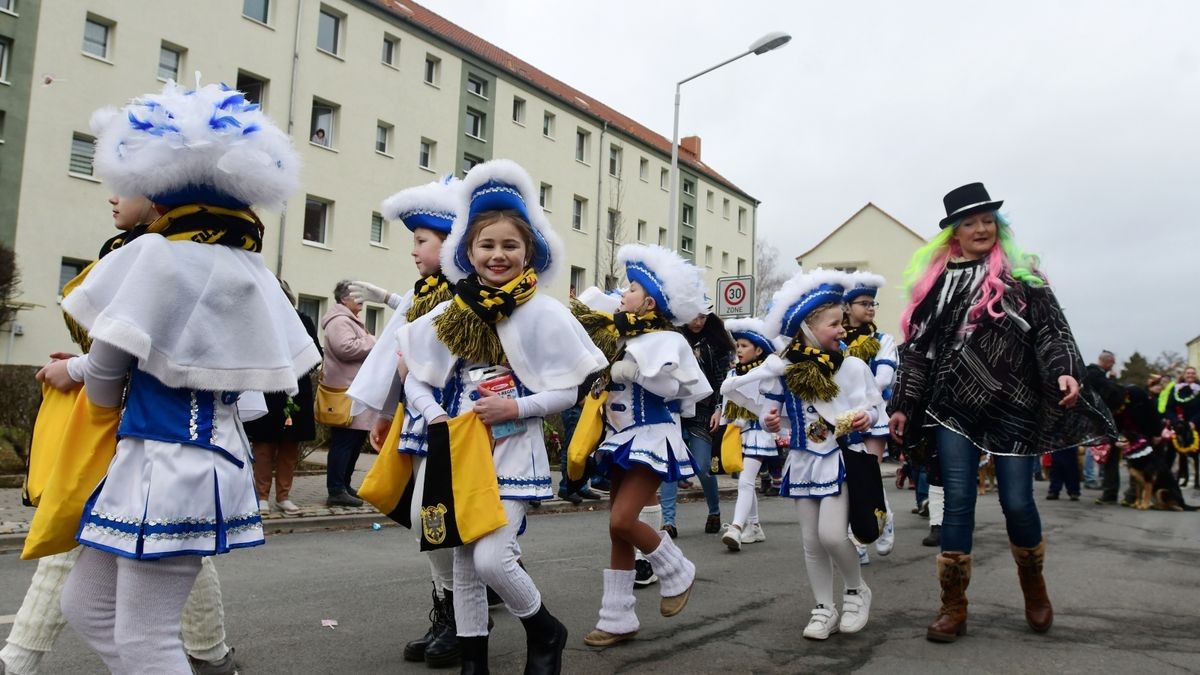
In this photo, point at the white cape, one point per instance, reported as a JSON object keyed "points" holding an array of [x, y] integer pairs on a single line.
{"points": [[376, 382]]}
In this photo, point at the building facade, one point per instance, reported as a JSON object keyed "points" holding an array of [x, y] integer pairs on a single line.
{"points": [[870, 241], [377, 95]]}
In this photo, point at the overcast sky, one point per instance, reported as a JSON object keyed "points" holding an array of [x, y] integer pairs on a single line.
{"points": [[1083, 116]]}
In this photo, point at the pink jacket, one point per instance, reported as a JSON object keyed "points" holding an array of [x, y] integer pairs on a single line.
{"points": [[347, 344]]}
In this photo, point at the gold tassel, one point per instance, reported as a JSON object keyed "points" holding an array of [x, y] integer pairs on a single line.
{"points": [[807, 381], [734, 411], [468, 336], [864, 347], [421, 304], [599, 327]]}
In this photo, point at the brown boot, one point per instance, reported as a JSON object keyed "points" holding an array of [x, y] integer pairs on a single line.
{"points": [[954, 573], [1038, 611]]}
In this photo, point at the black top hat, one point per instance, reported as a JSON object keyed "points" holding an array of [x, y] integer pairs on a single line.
{"points": [[966, 201]]}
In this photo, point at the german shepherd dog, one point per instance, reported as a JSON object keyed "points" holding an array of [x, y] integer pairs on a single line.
{"points": [[1150, 472]]}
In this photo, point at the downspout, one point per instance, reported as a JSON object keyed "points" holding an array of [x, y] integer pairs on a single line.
{"points": [[599, 203], [291, 123]]}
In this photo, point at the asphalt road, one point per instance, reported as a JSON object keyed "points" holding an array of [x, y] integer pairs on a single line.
{"points": [[1124, 585]]}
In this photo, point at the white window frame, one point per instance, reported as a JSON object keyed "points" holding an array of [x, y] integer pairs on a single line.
{"points": [[741, 266], [709, 201], [388, 130], [583, 143], [518, 110], [473, 79], [684, 214], [578, 214], [326, 221], [664, 178], [267, 13], [741, 221], [377, 220], [339, 29], [578, 278], [372, 319], [708, 256], [548, 122], [476, 123], [546, 196], [725, 208], [724, 261], [330, 133], [475, 161], [644, 170], [77, 142], [685, 244], [614, 221], [179, 66], [662, 236], [393, 43], [264, 86], [5, 50], [426, 154], [432, 72], [615, 160], [641, 231], [689, 187], [109, 27]]}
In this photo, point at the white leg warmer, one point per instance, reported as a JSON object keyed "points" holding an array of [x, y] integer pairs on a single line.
{"points": [[40, 618], [652, 516], [937, 504], [89, 603], [675, 572], [441, 568], [617, 612], [492, 561], [150, 599], [203, 625], [746, 509]]}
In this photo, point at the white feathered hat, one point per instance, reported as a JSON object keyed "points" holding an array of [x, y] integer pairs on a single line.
{"points": [[859, 284], [752, 329], [799, 296], [676, 285], [433, 206], [498, 185], [208, 145]]}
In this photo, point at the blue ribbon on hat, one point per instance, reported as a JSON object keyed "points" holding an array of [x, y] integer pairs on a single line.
{"points": [[496, 195], [860, 291], [799, 310], [429, 219], [755, 338], [648, 280]]}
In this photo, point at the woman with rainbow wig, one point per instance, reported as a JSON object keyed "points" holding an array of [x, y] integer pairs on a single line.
{"points": [[989, 364]]}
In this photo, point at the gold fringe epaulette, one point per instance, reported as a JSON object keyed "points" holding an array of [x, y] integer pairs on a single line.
{"points": [[599, 327], [467, 336], [864, 347], [807, 381]]}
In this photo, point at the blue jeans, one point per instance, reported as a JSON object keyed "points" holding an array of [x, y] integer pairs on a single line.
{"points": [[1064, 471], [922, 486], [960, 476], [344, 448], [570, 419], [701, 449]]}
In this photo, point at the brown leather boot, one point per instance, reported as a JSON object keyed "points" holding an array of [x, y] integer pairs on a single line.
{"points": [[954, 573], [1038, 612]]}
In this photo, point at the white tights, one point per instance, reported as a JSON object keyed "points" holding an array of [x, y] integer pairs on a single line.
{"points": [[746, 510], [492, 561], [129, 610], [823, 529]]}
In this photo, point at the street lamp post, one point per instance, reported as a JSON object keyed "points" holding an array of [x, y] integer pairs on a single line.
{"points": [[760, 46]]}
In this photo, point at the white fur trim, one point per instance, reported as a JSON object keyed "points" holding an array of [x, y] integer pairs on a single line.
{"points": [[438, 196], [867, 279], [504, 171], [792, 291], [746, 325], [682, 282], [258, 168], [599, 301]]}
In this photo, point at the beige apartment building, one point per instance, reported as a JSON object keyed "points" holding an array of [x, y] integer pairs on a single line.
{"points": [[377, 95]]}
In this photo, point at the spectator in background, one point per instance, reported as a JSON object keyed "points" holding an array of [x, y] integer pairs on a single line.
{"points": [[347, 344], [1099, 378], [319, 138]]}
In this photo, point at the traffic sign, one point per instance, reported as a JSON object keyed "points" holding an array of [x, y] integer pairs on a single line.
{"points": [[735, 296]]}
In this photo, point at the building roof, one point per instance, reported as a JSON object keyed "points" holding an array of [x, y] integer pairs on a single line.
{"points": [[868, 205], [428, 21]]}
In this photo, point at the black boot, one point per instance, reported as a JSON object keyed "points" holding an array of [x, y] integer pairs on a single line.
{"points": [[443, 649], [474, 655], [415, 650], [545, 639]]}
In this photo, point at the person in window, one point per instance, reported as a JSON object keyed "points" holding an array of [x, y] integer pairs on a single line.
{"points": [[319, 138]]}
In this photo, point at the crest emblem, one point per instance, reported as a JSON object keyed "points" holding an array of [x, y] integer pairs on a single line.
{"points": [[715, 465], [818, 431], [433, 523]]}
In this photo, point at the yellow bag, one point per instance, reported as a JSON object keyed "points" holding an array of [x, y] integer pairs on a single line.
{"points": [[332, 406], [389, 485], [461, 498], [48, 430], [75, 447], [731, 449], [588, 433]]}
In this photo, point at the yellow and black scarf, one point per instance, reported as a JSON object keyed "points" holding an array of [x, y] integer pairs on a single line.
{"points": [[605, 329], [861, 341], [810, 373], [468, 326], [734, 411], [427, 294]]}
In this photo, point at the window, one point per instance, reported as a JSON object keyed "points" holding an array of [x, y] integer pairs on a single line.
{"points": [[644, 169], [708, 256], [724, 261], [9, 6], [371, 316], [383, 138], [469, 162], [741, 220], [741, 266], [725, 209], [614, 225], [662, 236], [475, 121], [641, 231], [519, 110], [5, 47], [578, 279], [1, 126], [708, 201], [688, 220], [664, 178], [685, 244], [96, 34], [548, 125], [477, 85], [689, 186], [329, 31], [391, 48], [376, 228], [578, 213], [324, 121], [545, 193], [582, 143], [310, 307], [83, 148], [256, 9], [316, 219], [170, 60], [255, 88], [425, 157], [68, 269], [433, 69], [614, 161]]}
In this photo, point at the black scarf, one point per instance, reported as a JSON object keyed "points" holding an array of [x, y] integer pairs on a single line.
{"points": [[205, 224], [427, 294], [468, 326], [743, 368], [810, 374], [628, 324]]}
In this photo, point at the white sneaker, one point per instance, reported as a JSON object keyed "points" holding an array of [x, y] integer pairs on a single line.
{"points": [[856, 608], [887, 540], [288, 507], [824, 622], [863, 558], [732, 537], [753, 534]]}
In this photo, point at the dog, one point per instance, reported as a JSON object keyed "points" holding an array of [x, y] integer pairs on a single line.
{"points": [[987, 474], [1149, 467]]}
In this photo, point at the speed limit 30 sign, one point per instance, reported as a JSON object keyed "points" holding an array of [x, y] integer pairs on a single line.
{"points": [[735, 296]]}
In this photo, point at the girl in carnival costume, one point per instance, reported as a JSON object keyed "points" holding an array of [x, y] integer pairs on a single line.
{"points": [[168, 314], [428, 211], [654, 379], [758, 444], [865, 341], [988, 365], [829, 400], [501, 246]]}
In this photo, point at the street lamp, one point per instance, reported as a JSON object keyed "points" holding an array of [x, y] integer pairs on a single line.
{"points": [[760, 46]]}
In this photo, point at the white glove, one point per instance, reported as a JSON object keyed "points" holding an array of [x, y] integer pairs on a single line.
{"points": [[365, 291], [623, 371]]}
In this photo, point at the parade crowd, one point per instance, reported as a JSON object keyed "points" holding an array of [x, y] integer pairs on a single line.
{"points": [[195, 388]]}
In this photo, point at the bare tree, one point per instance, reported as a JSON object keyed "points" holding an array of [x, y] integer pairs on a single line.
{"points": [[770, 274], [613, 233], [1170, 364], [10, 282]]}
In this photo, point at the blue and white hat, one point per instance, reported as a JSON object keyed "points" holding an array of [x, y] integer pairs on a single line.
{"points": [[799, 296], [432, 206], [207, 145], [499, 185], [859, 284], [676, 285], [753, 330]]}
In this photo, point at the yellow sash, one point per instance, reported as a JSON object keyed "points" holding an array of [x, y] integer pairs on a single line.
{"points": [[389, 485], [588, 432], [461, 498], [731, 450]]}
